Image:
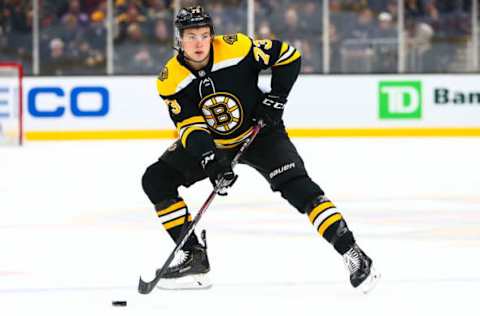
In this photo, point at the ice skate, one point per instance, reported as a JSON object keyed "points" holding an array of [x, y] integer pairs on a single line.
{"points": [[190, 271], [362, 274]]}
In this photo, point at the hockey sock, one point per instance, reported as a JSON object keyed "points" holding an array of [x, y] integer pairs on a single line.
{"points": [[174, 215], [329, 223]]}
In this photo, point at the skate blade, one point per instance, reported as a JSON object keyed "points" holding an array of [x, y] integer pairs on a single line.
{"points": [[370, 282], [189, 282]]}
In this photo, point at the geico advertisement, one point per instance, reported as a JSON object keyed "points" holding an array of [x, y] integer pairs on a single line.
{"points": [[316, 102], [78, 103]]}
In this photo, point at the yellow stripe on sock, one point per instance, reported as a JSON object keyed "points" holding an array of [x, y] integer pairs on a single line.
{"points": [[320, 208], [177, 222], [172, 208], [332, 219]]}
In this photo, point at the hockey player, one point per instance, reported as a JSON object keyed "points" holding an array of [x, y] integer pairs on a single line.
{"points": [[213, 98]]}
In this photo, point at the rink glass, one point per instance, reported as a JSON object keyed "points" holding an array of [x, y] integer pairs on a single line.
{"points": [[439, 36], [143, 36], [74, 37], [16, 33], [297, 22]]}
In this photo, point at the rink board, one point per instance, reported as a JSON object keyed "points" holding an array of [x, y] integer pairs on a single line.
{"points": [[128, 107]]}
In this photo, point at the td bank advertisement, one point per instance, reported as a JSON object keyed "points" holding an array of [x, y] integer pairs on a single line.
{"points": [[447, 102], [318, 106]]}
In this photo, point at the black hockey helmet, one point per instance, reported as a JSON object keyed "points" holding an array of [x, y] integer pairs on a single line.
{"points": [[194, 16]]}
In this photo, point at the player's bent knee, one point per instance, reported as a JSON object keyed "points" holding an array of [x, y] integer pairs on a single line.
{"points": [[299, 191], [160, 182]]}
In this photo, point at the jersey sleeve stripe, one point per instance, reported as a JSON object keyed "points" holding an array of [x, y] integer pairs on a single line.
{"points": [[183, 129], [190, 121], [284, 48], [294, 57], [286, 54], [226, 63]]}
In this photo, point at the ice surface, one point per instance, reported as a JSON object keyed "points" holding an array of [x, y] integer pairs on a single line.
{"points": [[76, 231]]}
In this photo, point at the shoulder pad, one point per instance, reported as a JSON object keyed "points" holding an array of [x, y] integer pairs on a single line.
{"points": [[173, 78], [229, 50]]}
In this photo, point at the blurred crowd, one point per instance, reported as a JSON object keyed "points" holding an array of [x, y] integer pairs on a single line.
{"points": [[363, 33]]}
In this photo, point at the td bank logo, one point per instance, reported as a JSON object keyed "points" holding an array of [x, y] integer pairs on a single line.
{"points": [[400, 99]]}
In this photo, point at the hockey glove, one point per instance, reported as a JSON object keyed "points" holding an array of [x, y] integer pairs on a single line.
{"points": [[219, 171], [270, 110]]}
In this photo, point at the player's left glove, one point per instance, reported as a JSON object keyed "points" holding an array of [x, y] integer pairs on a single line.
{"points": [[270, 109], [219, 171]]}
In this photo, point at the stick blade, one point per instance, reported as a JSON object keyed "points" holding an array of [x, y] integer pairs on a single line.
{"points": [[145, 287]]}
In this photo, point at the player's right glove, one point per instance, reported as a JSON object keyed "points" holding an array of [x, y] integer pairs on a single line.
{"points": [[219, 171], [270, 109]]}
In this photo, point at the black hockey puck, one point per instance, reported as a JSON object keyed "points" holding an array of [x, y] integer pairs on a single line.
{"points": [[119, 303]]}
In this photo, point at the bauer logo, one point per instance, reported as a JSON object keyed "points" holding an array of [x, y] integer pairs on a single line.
{"points": [[400, 99]]}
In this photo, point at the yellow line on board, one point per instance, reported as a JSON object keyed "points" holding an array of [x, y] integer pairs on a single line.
{"points": [[100, 135], [384, 132], [293, 132]]}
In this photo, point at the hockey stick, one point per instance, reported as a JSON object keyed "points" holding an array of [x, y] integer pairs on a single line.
{"points": [[147, 287]]}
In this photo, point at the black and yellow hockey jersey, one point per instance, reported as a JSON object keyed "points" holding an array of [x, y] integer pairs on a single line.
{"points": [[213, 107]]}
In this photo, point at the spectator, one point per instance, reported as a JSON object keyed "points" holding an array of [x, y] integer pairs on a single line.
{"points": [[414, 9], [357, 52], [125, 19], [378, 5], [162, 33], [364, 25], [158, 9], [74, 9], [133, 55], [427, 59], [99, 13], [335, 42], [57, 62], [385, 27], [290, 25], [386, 45], [161, 47], [264, 31], [311, 16], [18, 31], [311, 56], [392, 8]]}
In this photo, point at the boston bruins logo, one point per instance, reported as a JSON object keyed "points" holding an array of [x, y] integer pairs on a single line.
{"points": [[222, 111], [230, 39], [163, 74]]}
